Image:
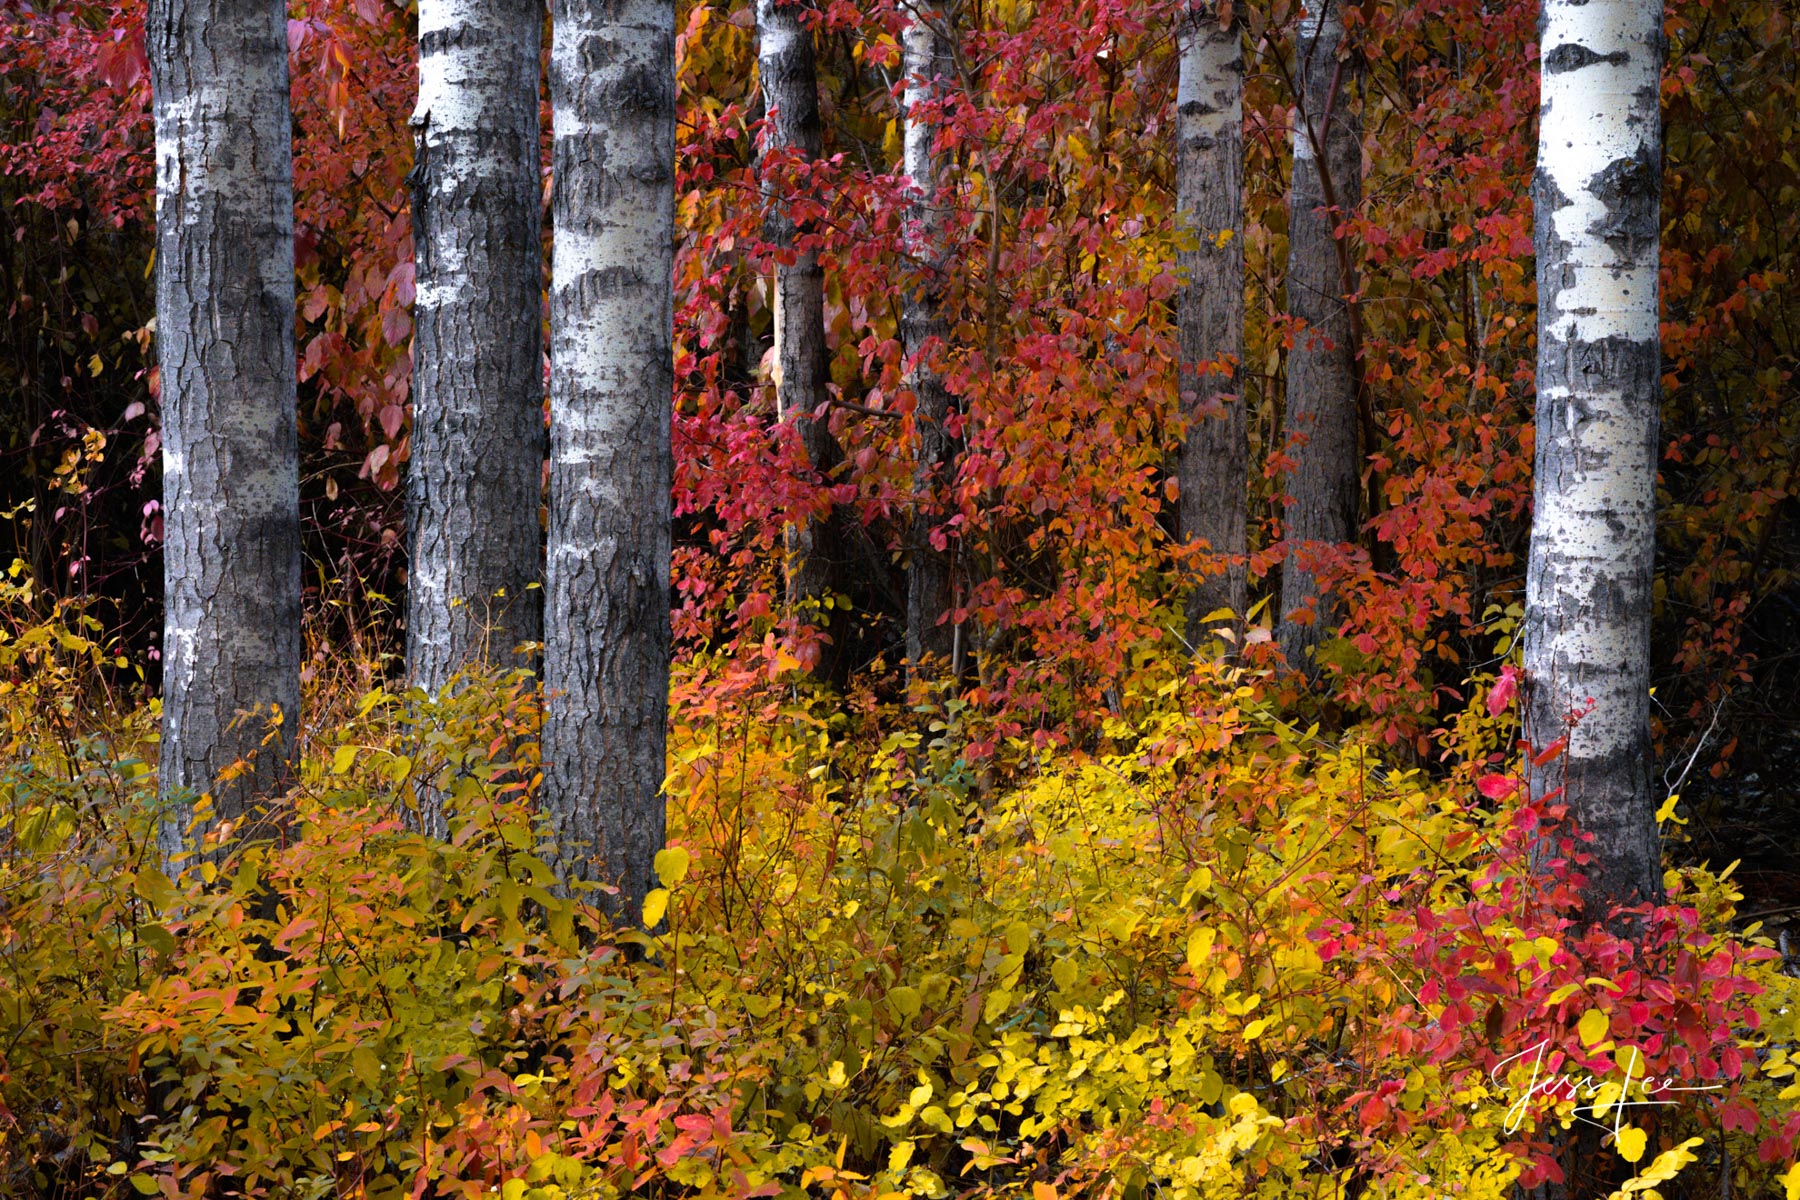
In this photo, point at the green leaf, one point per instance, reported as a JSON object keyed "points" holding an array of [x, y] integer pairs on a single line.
{"points": [[145, 1185], [152, 885], [158, 939]]}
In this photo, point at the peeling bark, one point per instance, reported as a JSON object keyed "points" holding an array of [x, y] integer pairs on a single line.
{"points": [[1213, 468], [1597, 197], [1321, 424], [606, 654], [474, 478], [929, 75], [788, 71], [225, 343]]}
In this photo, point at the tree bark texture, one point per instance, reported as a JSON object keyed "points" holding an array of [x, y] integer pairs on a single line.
{"points": [[225, 343], [787, 68], [1321, 421], [474, 481], [930, 72], [606, 653], [1597, 197], [1213, 467]]}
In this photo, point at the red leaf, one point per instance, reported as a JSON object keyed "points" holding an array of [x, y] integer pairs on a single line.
{"points": [[1551, 752], [1497, 787], [1505, 688]]}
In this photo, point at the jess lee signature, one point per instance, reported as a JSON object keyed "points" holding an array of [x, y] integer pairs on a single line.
{"points": [[1607, 1095]]}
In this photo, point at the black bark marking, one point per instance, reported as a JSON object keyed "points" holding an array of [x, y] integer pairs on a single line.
{"points": [[1631, 189], [1572, 57]]}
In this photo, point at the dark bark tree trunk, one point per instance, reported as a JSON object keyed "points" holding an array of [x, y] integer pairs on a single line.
{"points": [[787, 67], [1593, 537], [473, 484], [1214, 464], [1321, 423], [929, 74], [606, 653], [225, 342]]}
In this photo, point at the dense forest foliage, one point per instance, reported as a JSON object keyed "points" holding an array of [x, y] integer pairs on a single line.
{"points": [[996, 863]]}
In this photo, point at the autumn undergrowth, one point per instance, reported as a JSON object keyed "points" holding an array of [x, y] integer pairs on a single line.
{"points": [[1210, 954]]}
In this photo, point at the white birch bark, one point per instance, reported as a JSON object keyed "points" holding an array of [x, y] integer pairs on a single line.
{"points": [[1213, 466], [225, 344], [1597, 197], [788, 72], [606, 655], [930, 72], [1321, 421], [474, 478]]}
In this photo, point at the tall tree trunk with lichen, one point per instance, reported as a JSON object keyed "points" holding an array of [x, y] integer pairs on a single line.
{"points": [[1323, 501], [230, 445], [474, 478], [788, 71], [1597, 198], [929, 74], [607, 635], [1213, 467]]}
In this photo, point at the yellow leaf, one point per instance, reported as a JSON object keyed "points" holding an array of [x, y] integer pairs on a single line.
{"points": [[1199, 945], [1043, 1191], [1592, 1028], [1254, 1029], [655, 905], [1791, 1181], [672, 865], [1631, 1143], [342, 758]]}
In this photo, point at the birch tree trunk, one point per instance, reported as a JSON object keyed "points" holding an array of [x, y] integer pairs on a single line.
{"points": [[787, 67], [1597, 197], [474, 480], [606, 653], [929, 73], [225, 342], [1213, 468], [1321, 422]]}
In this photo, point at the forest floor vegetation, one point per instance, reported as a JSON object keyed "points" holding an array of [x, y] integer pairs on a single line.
{"points": [[1207, 953]]}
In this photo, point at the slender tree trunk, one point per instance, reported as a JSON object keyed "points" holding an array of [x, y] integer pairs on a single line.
{"points": [[606, 653], [929, 72], [787, 66], [225, 342], [1593, 538], [474, 479], [1321, 429], [1213, 470]]}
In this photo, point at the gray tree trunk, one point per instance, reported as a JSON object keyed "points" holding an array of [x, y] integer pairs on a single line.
{"points": [[1214, 464], [787, 67], [1321, 421], [606, 652], [473, 484], [225, 342], [1597, 197], [930, 72]]}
